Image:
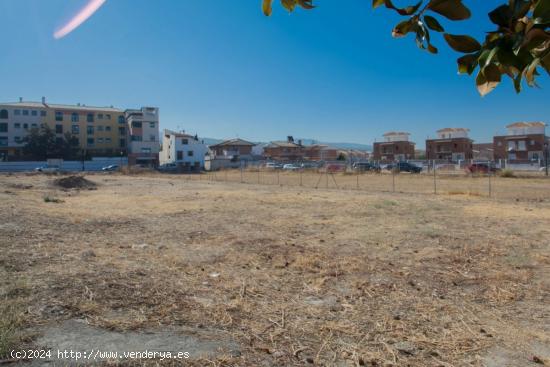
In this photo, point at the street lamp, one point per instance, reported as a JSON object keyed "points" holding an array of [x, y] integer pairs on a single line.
{"points": [[546, 154]]}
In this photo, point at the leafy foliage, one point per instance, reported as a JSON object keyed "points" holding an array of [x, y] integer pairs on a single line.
{"points": [[42, 143], [517, 48]]}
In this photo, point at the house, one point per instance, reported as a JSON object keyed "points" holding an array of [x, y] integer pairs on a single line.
{"points": [[187, 151], [320, 152], [395, 147], [524, 141], [284, 150], [234, 148], [452, 144], [99, 131], [483, 152]]}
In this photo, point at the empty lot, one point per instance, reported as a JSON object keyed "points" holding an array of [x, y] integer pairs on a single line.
{"points": [[282, 275]]}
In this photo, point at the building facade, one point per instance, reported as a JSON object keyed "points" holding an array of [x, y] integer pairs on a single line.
{"points": [[187, 151], [395, 147], [319, 152], [233, 148], [523, 142], [284, 151], [143, 136], [100, 131], [452, 144]]}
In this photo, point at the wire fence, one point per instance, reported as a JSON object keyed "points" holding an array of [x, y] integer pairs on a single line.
{"points": [[435, 182]]}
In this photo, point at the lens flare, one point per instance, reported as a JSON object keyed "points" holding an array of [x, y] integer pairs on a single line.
{"points": [[83, 14]]}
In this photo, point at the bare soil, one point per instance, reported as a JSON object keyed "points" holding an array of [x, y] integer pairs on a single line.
{"points": [[286, 275]]}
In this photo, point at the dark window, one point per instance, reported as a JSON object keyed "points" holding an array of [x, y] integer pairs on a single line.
{"points": [[100, 116], [122, 130], [17, 112], [17, 139], [58, 116], [152, 125], [107, 117], [43, 113], [90, 117], [136, 124], [190, 153], [59, 129], [17, 125], [107, 128], [25, 112], [76, 129], [4, 114], [3, 127], [180, 155], [122, 143], [90, 141], [25, 126], [185, 141], [121, 119], [136, 138], [90, 130], [3, 141], [34, 113], [74, 117]]}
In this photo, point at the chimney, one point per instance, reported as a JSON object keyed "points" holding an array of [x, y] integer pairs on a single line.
{"points": [[290, 139], [300, 142], [20, 99], [43, 100]]}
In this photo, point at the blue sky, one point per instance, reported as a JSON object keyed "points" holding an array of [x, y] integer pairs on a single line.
{"points": [[221, 69]]}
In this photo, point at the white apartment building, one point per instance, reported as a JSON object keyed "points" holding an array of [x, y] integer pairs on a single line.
{"points": [[143, 132], [185, 150]]}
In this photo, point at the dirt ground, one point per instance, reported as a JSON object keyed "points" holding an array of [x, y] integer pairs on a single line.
{"points": [[270, 275]]}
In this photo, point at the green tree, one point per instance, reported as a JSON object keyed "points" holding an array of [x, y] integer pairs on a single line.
{"points": [[518, 47], [42, 143]]}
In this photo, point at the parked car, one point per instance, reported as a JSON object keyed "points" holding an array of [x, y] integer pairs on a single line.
{"points": [[273, 165], [365, 166], [168, 167], [47, 168], [110, 168], [291, 167], [309, 165], [481, 168], [404, 167]]}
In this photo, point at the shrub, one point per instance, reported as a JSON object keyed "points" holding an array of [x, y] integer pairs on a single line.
{"points": [[507, 173]]}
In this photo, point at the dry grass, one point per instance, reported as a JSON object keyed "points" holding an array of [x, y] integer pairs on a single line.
{"points": [[297, 276]]}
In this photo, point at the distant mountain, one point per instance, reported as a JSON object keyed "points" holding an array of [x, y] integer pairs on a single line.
{"points": [[343, 146]]}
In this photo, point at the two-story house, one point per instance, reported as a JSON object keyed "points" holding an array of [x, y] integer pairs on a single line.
{"points": [[395, 147], [451, 144], [187, 151], [524, 141]]}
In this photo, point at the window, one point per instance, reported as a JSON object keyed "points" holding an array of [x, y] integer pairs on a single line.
{"points": [[190, 153], [17, 125], [3, 114], [180, 155], [3, 141], [90, 141], [34, 113], [136, 124], [122, 143], [58, 116], [107, 117], [34, 126], [522, 145], [100, 140], [121, 119], [25, 112], [43, 113], [59, 129], [511, 145], [17, 139], [152, 137], [185, 141], [17, 112], [532, 142], [26, 126], [90, 117], [74, 117], [107, 140], [100, 116], [146, 150], [122, 130], [90, 130], [152, 125], [75, 129], [100, 128], [107, 128], [136, 138], [3, 127]]}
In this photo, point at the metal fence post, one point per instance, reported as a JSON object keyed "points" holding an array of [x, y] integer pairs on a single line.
{"points": [[300, 178], [241, 172], [393, 178], [278, 182], [490, 188], [435, 178], [357, 180]]}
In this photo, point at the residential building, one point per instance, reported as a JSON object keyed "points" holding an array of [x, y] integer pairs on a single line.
{"points": [[483, 152], [234, 148], [101, 131], [451, 144], [395, 147], [284, 150], [143, 136], [524, 141], [185, 150], [320, 152]]}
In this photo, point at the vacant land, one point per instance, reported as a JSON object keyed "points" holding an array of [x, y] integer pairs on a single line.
{"points": [[248, 275]]}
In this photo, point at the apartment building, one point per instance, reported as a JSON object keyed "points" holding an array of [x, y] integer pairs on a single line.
{"points": [[233, 148], [284, 150], [143, 134], [185, 150], [395, 147], [320, 152], [524, 141], [451, 144], [100, 131]]}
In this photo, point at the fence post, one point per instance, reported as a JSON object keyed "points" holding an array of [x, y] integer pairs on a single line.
{"points": [[300, 178], [357, 180], [241, 172], [258, 174], [278, 182], [393, 179], [490, 188], [435, 178]]}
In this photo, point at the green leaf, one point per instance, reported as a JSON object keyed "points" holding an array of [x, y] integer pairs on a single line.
{"points": [[402, 28], [485, 86], [432, 49], [541, 14], [377, 3], [451, 9], [467, 64], [433, 24], [460, 43], [409, 10], [267, 7]]}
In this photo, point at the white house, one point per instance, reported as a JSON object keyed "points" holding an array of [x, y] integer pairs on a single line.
{"points": [[185, 150]]}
